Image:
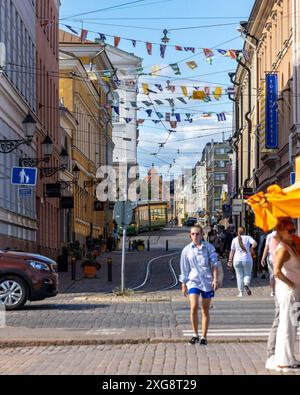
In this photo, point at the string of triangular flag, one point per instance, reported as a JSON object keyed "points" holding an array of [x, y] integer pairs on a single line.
{"points": [[208, 53]]}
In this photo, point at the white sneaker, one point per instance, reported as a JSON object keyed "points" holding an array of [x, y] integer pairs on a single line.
{"points": [[240, 295], [270, 363]]}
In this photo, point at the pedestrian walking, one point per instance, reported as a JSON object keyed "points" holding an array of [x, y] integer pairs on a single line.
{"points": [[240, 258], [199, 276], [230, 235], [287, 290], [268, 257]]}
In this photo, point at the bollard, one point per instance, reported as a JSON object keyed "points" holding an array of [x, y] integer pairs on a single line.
{"points": [[167, 245], [109, 270], [148, 245], [73, 268], [129, 246]]}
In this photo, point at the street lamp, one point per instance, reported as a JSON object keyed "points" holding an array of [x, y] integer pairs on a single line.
{"points": [[50, 171], [29, 125], [67, 184], [47, 145]]}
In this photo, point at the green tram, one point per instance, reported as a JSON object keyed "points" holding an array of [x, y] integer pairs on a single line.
{"points": [[158, 216]]}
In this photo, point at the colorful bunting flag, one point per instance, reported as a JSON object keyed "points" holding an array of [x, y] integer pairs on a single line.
{"points": [[206, 115], [168, 117], [221, 117], [178, 119], [140, 71], [149, 112], [222, 51], [159, 87], [218, 93], [163, 50], [207, 99], [149, 48], [133, 43], [232, 54], [160, 115], [117, 41], [83, 35], [116, 109], [175, 68], [208, 53], [147, 103], [156, 121], [173, 124], [128, 120], [184, 90], [145, 88], [181, 99], [102, 37], [156, 70], [140, 121], [133, 104], [189, 49], [207, 90], [198, 95], [171, 102], [178, 48], [159, 102], [72, 30], [192, 65]]}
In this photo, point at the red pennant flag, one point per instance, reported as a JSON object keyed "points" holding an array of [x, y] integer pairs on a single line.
{"points": [[149, 48], [117, 41], [232, 53], [178, 48], [141, 121], [84, 34], [173, 124]]}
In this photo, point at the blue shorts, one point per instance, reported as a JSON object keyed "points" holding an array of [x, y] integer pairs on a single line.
{"points": [[204, 294]]}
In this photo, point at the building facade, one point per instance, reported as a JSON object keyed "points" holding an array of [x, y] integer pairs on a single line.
{"points": [[18, 217], [216, 158], [87, 97], [271, 46], [47, 85]]}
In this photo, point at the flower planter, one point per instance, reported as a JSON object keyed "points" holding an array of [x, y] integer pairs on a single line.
{"points": [[90, 271], [141, 248]]}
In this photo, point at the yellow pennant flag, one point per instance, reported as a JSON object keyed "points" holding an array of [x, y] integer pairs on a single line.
{"points": [[145, 88], [192, 65], [218, 93], [106, 79], [198, 95], [156, 70], [184, 90]]}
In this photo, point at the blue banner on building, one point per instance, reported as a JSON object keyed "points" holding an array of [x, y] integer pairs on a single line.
{"points": [[271, 111]]}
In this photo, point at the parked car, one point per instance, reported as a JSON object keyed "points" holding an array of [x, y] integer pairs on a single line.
{"points": [[191, 221], [25, 276]]}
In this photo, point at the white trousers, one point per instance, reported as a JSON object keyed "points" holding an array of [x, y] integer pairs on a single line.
{"points": [[287, 329]]}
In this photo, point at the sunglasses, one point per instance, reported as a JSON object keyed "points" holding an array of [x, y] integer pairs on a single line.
{"points": [[291, 231], [195, 234]]}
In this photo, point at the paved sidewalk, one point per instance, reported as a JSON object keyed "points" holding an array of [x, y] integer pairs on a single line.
{"points": [[142, 359]]}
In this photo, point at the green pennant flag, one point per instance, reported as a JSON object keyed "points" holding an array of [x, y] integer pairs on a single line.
{"points": [[175, 68]]}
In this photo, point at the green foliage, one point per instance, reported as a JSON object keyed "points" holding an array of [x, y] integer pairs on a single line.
{"points": [[127, 292]]}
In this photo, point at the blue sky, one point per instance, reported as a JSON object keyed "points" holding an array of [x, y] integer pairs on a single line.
{"points": [[187, 33]]}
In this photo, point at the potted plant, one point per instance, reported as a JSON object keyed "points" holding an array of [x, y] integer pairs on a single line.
{"points": [[90, 266], [140, 245]]}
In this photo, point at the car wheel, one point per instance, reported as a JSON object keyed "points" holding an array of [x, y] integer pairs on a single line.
{"points": [[13, 292]]}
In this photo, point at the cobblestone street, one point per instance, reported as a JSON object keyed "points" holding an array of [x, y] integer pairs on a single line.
{"points": [[144, 359]]}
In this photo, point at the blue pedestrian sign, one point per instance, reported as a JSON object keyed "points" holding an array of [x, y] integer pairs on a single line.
{"points": [[24, 176]]}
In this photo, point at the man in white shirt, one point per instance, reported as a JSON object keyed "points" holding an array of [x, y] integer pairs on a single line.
{"points": [[199, 276]]}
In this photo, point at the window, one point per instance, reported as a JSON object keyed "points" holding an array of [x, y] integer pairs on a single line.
{"points": [[116, 103], [220, 151]]}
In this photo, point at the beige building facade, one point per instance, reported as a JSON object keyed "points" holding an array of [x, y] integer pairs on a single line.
{"points": [[271, 47]]}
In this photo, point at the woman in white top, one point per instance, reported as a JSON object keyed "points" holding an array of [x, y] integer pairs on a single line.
{"points": [[241, 258]]}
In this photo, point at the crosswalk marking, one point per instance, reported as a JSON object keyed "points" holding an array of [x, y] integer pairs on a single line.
{"points": [[242, 332]]}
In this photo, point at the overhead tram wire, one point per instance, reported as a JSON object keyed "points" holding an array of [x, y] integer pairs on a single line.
{"points": [[103, 9]]}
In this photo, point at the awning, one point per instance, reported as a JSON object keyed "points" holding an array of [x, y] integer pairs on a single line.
{"points": [[275, 203]]}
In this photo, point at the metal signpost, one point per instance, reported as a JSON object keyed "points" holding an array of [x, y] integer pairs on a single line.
{"points": [[123, 216]]}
